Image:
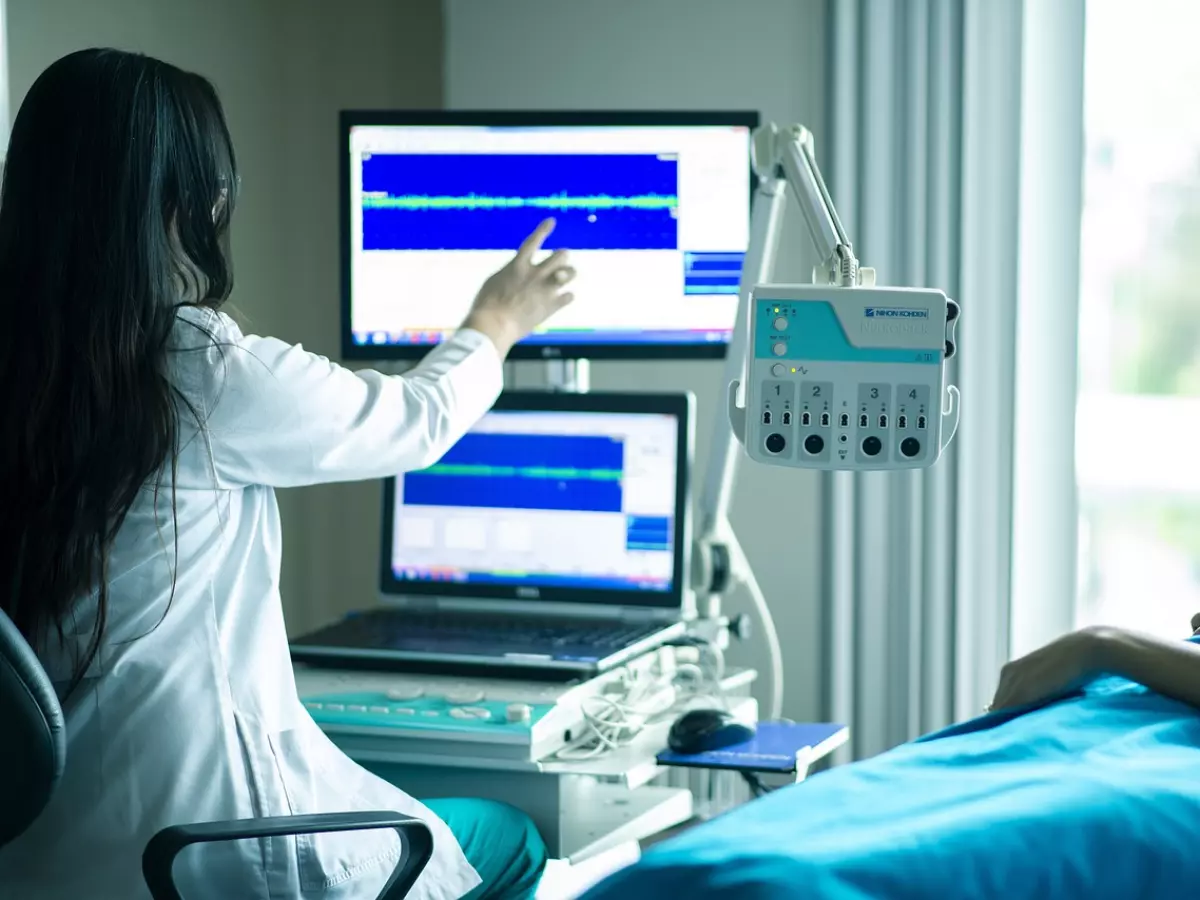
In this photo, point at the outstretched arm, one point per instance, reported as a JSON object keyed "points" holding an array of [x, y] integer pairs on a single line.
{"points": [[275, 414], [1170, 668], [285, 417], [1167, 667]]}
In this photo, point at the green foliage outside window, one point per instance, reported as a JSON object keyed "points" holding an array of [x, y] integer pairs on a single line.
{"points": [[1157, 304]]}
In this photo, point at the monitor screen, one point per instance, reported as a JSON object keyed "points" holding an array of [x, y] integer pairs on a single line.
{"points": [[655, 209], [577, 502]]}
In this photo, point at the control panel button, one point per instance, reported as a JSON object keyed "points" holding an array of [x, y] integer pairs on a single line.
{"points": [[779, 370], [779, 349], [781, 324], [518, 713], [464, 696], [404, 693], [470, 712]]}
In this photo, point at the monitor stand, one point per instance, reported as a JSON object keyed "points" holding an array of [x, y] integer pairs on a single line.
{"points": [[571, 376]]}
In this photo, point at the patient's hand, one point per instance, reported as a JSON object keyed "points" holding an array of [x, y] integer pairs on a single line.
{"points": [[1056, 670]]}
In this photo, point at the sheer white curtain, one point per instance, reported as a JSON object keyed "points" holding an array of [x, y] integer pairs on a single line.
{"points": [[943, 144], [5, 122]]}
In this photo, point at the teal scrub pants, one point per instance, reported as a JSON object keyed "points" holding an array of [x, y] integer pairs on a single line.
{"points": [[501, 844]]}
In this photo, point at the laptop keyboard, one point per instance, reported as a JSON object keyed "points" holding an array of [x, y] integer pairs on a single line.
{"points": [[384, 628]]}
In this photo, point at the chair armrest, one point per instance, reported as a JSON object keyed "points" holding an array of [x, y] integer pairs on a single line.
{"points": [[158, 859]]}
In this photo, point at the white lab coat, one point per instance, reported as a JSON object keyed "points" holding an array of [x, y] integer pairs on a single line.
{"points": [[190, 712]]}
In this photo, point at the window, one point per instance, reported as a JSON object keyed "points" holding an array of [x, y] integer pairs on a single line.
{"points": [[1138, 415]]}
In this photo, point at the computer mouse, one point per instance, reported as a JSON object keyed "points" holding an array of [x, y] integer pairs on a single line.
{"points": [[701, 730]]}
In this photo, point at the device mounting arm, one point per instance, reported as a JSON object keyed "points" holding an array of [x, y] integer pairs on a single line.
{"points": [[790, 154]]}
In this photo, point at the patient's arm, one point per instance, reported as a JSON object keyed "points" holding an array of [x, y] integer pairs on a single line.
{"points": [[1167, 667], [1170, 668]]}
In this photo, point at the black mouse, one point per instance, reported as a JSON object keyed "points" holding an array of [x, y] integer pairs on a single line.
{"points": [[701, 730]]}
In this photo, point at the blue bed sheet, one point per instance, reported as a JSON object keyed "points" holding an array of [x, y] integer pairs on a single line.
{"points": [[1096, 796]]}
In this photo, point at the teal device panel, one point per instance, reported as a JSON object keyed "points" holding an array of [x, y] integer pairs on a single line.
{"points": [[814, 333], [430, 714]]}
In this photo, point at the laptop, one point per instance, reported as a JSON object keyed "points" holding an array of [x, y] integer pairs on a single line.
{"points": [[555, 536]]}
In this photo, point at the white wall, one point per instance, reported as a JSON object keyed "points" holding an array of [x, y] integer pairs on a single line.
{"points": [[283, 69], [766, 55]]}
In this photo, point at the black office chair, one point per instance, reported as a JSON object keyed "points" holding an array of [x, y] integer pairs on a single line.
{"points": [[33, 752]]}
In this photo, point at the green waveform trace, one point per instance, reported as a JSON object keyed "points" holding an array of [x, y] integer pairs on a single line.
{"points": [[524, 472], [592, 203]]}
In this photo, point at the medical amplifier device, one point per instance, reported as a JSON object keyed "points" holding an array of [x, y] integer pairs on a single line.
{"points": [[461, 720], [848, 378]]}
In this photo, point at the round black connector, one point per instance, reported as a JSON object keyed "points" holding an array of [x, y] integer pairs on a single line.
{"points": [[814, 444], [872, 445], [910, 447], [776, 443]]}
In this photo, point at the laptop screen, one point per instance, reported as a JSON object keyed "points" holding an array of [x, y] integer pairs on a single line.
{"points": [[567, 497]]}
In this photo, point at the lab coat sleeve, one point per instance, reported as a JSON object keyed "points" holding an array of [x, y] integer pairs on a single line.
{"points": [[284, 417]]}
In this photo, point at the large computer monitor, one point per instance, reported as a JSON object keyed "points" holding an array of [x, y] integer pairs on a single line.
{"points": [[655, 208], [569, 498]]}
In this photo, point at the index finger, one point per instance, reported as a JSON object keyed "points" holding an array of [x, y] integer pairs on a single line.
{"points": [[533, 243]]}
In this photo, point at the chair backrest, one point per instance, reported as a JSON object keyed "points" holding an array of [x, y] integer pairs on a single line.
{"points": [[33, 739]]}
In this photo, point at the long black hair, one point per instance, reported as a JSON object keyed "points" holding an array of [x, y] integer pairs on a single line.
{"points": [[114, 212]]}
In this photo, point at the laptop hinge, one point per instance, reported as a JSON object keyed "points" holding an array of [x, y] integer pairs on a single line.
{"points": [[473, 605], [417, 603], [414, 603], [629, 614]]}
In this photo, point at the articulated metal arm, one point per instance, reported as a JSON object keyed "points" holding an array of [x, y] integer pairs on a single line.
{"points": [[789, 155]]}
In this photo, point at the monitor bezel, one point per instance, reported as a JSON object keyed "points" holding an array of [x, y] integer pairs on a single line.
{"points": [[350, 119], [679, 405]]}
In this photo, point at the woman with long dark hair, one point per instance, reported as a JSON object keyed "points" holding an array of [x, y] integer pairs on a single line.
{"points": [[141, 437]]}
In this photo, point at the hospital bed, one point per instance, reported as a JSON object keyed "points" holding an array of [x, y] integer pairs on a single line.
{"points": [[1095, 796]]}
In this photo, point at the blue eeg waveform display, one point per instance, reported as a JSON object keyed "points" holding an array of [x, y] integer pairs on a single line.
{"points": [[492, 201], [563, 473], [581, 473]]}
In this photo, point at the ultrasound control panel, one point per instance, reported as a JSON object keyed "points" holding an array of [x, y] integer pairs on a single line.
{"points": [[847, 378]]}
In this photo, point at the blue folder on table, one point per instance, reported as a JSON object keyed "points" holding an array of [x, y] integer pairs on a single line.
{"points": [[773, 748]]}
